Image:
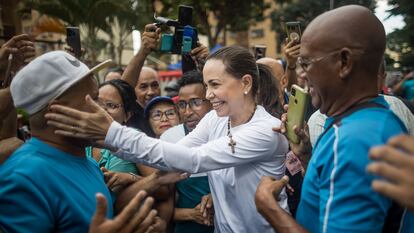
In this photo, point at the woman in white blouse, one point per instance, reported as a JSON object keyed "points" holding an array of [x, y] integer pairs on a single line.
{"points": [[234, 143]]}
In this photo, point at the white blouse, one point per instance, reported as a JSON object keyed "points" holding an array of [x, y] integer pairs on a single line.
{"points": [[233, 178]]}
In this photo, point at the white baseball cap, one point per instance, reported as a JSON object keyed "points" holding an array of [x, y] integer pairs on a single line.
{"points": [[46, 78]]}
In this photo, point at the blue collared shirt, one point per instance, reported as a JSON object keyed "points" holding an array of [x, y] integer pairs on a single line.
{"points": [[336, 192]]}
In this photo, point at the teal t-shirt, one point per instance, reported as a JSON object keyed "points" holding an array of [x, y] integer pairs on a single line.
{"points": [[43, 189], [408, 87], [113, 163], [190, 191]]}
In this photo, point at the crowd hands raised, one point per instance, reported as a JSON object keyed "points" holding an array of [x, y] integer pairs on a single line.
{"points": [[145, 196]]}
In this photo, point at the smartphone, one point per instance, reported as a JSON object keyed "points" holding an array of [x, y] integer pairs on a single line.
{"points": [[259, 51], [298, 103], [293, 31], [185, 15], [73, 40]]}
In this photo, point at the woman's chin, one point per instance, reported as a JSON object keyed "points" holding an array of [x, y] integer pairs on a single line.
{"points": [[221, 113]]}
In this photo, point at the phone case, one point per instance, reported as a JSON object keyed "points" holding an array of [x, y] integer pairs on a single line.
{"points": [[298, 101], [293, 31]]}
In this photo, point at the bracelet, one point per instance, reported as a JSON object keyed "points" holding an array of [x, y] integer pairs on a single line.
{"points": [[134, 176], [292, 68]]}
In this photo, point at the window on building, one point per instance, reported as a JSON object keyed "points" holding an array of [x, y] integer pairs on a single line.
{"points": [[257, 33]]}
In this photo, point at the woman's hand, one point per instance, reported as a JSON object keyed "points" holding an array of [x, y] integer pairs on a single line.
{"points": [[198, 217], [207, 209], [70, 122], [118, 179]]}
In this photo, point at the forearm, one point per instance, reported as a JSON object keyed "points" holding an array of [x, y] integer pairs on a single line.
{"points": [[7, 147], [166, 209], [6, 101], [398, 88], [281, 221], [290, 76], [132, 71], [148, 184], [160, 194], [182, 214]]}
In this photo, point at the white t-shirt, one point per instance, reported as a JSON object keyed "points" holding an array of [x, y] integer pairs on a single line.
{"points": [[317, 120], [233, 178]]}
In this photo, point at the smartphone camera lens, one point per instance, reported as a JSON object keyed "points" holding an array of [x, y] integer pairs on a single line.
{"points": [[293, 92]]}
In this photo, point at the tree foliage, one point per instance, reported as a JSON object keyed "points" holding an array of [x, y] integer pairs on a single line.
{"points": [[305, 11], [402, 40]]}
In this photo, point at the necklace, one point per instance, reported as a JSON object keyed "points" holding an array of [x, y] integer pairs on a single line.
{"points": [[232, 143]]}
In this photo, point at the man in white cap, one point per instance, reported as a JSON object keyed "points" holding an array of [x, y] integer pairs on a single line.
{"points": [[48, 184]]}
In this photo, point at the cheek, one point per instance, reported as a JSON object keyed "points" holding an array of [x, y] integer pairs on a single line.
{"points": [[157, 91], [154, 124], [174, 122]]}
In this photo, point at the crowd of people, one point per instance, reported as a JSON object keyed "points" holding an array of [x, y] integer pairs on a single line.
{"points": [[119, 157]]}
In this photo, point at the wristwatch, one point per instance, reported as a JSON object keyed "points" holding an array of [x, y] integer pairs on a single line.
{"points": [[291, 68]]}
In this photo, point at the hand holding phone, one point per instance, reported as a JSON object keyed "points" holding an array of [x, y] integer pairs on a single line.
{"points": [[293, 31], [298, 103]]}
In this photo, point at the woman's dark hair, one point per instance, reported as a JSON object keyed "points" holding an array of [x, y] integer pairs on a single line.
{"points": [[127, 94], [239, 62], [268, 95]]}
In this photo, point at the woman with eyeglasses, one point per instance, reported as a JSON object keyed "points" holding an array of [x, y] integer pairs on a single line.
{"points": [[117, 98], [162, 114], [234, 143]]}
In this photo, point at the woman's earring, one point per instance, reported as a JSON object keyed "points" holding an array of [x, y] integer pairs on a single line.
{"points": [[246, 92]]}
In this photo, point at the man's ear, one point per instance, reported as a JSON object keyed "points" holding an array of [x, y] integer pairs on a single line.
{"points": [[346, 61]]}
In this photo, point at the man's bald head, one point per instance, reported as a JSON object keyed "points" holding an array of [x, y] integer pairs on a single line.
{"points": [[148, 71], [275, 66], [351, 26]]}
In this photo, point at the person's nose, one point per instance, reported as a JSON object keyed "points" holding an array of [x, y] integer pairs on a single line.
{"points": [[209, 95]]}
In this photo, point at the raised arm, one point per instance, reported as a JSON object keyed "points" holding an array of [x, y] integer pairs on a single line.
{"points": [[291, 53], [149, 42]]}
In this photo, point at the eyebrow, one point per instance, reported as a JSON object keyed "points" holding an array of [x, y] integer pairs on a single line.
{"points": [[212, 80]]}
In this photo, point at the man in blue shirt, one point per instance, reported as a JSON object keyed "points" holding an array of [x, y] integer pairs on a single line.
{"points": [[341, 63], [48, 184]]}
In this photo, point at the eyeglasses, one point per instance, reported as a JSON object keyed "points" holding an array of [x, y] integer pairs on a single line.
{"points": [[306, 62], [170, 114], [108, 105], [193, 103]]}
